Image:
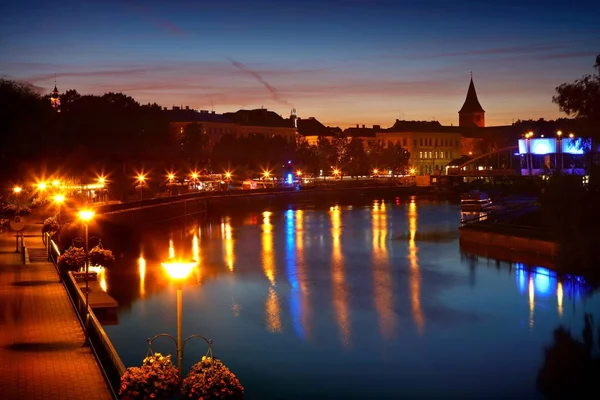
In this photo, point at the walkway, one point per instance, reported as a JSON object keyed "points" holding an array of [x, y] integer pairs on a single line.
{"points": [[40, 336]]}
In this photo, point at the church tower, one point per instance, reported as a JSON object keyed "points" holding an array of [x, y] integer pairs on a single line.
{"points": [[55, 98], [471, 113]]}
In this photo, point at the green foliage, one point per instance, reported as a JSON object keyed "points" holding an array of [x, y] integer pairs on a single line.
{"points": [[157, 379], [210, 379]]}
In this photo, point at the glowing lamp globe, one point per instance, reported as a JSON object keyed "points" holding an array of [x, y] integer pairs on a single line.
{"points": [[179, 270], [86, 215]]}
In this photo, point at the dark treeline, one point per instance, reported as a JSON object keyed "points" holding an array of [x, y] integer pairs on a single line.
{"points": [[114, 134]]}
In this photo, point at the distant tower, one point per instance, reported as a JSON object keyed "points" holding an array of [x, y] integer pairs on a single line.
{"points": [[55, 98], [471, 113], [294, 118]]}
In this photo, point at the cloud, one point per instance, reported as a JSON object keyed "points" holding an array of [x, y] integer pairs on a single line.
{"points": [[274, 92], [148, 16]]}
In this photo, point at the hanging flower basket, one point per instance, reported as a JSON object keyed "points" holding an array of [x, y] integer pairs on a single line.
{"points": [[156, 379], [73, 259], [211, 379], [50, 225], [102, 257]]}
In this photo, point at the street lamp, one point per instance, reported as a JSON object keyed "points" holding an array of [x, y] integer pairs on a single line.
{"points": [[228, 178], [141, 178], [528, 137], [178, 271], [86, 216], [171, 179], [559, 150], [59, 199]]}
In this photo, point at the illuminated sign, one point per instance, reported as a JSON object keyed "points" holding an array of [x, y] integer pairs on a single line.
{"points": [[538, 146], [573, 146], [542, 146], [522, 146]]}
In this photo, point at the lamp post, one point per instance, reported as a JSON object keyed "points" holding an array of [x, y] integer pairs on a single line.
{"points": [[86, 216], [17, 191], [559, 150], [178, 271], [141, 180], [171, 178], [528, 137], [228, 178], [59, 199]]}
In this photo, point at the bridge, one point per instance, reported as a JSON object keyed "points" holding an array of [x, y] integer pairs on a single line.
{"points": [[496, 163]]}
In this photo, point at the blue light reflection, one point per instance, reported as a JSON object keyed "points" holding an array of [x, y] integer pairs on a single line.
{"points": [[292, 272], [545, 281]]}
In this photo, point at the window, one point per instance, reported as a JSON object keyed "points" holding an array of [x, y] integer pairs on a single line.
{"points": [[436, 142], [430, 155], [436, 154], [420, 154], [420, 142], [441, 154]]}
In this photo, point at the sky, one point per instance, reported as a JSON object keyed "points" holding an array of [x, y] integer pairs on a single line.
{"points": [[344, 62]]}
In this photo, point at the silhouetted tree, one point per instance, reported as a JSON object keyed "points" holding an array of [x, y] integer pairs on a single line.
{"points": [[395, 157], [581, 99], [570, 369]]}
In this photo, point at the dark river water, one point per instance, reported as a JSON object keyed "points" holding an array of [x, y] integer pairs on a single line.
{"points": [[371, 301]]}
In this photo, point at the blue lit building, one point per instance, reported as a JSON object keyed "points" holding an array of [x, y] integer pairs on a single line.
{"points": [[542, 156]]}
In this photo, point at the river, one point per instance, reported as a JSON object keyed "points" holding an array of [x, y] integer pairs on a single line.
{"points": [[362, 301]]}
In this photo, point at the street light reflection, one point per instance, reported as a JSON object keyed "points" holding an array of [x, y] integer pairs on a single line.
{"points": [[338, 277], [559, 298], [415, 273], [272, 306], [228, 243], [142, 271], [382, 279]]}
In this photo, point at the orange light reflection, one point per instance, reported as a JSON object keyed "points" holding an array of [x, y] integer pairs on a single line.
{"points": [[415, 273], [531, 301], [142, 270], [382, 279], [559, 297], [272, 307], [338, 278]]}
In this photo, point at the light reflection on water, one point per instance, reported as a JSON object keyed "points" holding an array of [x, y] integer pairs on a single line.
{"points": [[304, 285]]}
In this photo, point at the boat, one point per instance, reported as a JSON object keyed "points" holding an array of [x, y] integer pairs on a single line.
{"points": [[475, 201]]}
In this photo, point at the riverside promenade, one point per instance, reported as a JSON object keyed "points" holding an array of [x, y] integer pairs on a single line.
{"points": [[40, 336]]}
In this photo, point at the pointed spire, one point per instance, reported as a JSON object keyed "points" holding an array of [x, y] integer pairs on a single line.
{"points": [[471, 104]]}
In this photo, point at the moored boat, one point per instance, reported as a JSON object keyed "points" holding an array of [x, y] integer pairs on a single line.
{"points": [[475, 201]]}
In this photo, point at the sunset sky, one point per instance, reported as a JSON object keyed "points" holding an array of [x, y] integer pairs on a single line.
{"points": [[343, 62]]}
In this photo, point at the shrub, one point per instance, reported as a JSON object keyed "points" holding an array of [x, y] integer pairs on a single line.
{"points": [[211, 379], [157, 378]]}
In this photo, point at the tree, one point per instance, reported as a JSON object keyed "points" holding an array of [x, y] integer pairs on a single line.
{"points": [[570, 369], [395, 157], [195, 143], [581, 99]]}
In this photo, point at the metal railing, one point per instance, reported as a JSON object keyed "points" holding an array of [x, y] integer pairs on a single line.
{"points": [[107, 358]]}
